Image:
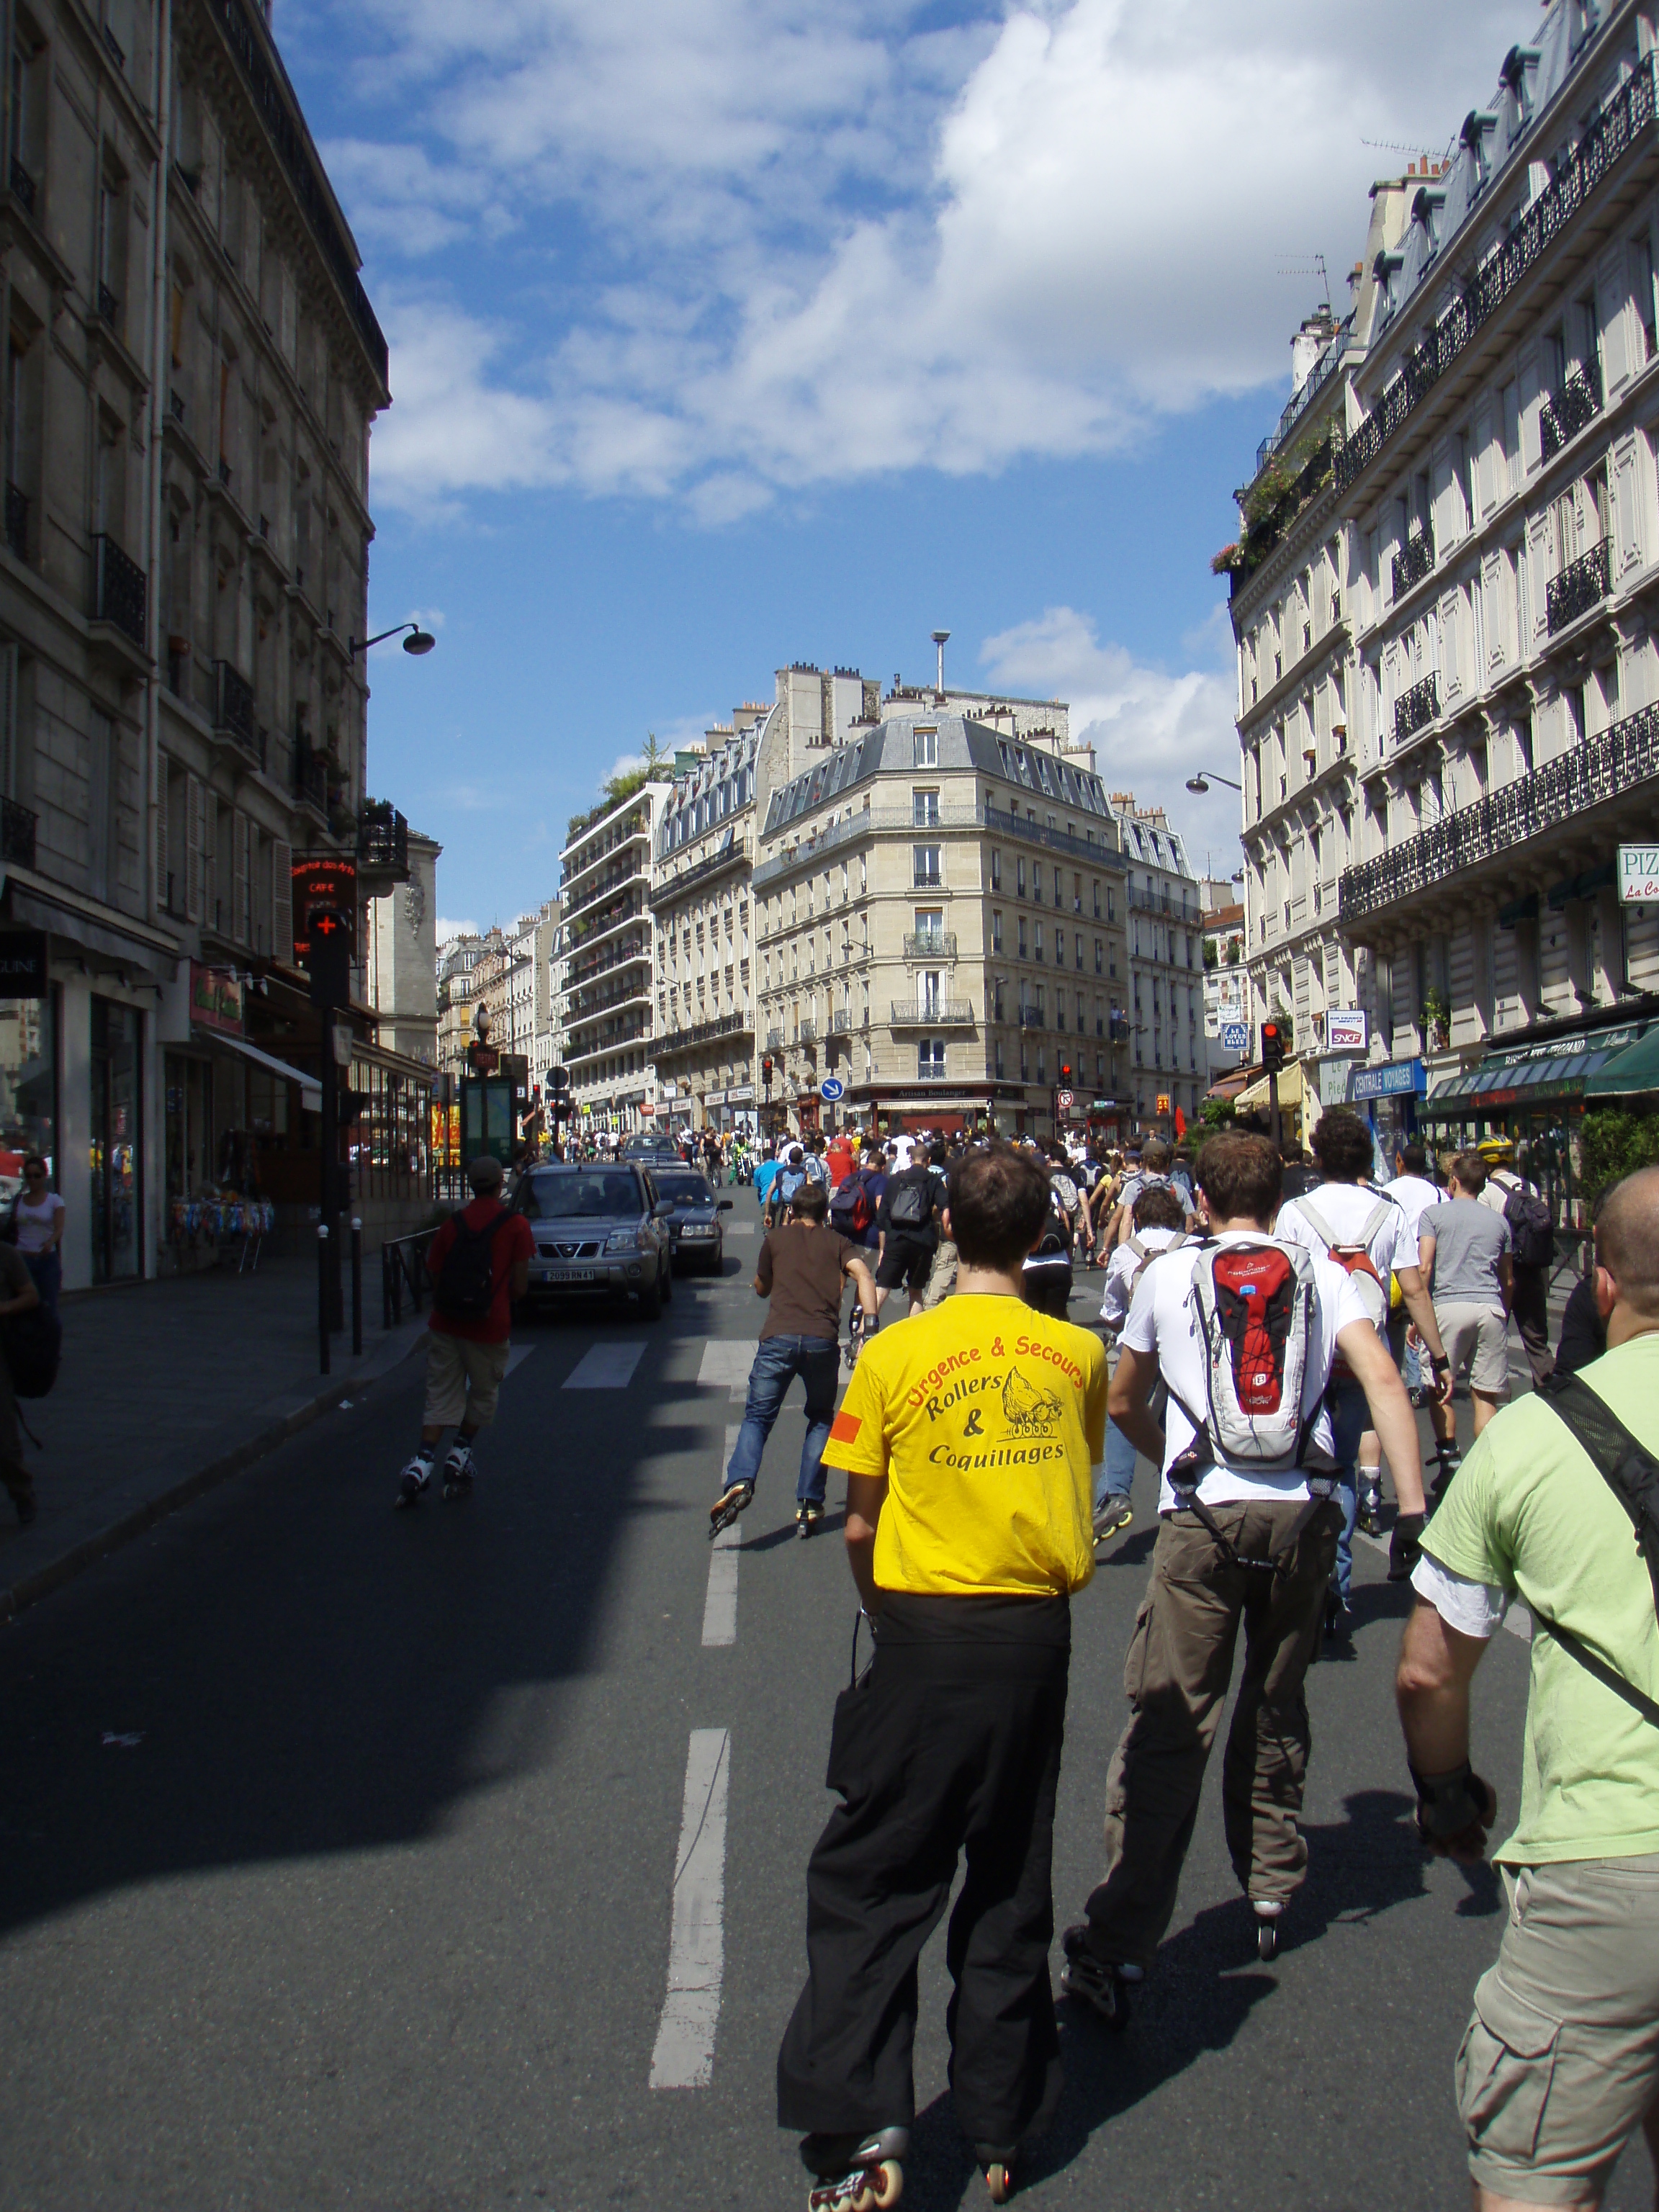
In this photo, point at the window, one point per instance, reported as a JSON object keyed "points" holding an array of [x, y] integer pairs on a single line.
{"points": [[1036, 881], [1042, 1065], [1641, 278], [1060, 948], [926, 749], [1099, 952], [997, 1059], [996, 869], [927, 876], [924, 810], [930, 926], [1097, 898], [930, 993], [930, 1057], [1037, 954], [997, 1011], [996, 929], [1024, 954], [1077, 950]]}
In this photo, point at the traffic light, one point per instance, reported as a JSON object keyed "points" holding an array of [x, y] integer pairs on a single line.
{"points": [[766, 1071], [1065, 1074], [1273, 1048]]}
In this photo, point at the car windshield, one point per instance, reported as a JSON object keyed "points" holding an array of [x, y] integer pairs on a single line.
{"points": [[683, 1189], [568, 1197]]}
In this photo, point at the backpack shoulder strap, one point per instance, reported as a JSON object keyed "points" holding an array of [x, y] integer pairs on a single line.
{"points": [[1374, 1220], [1139, 1250], [1315, 1220], [1623, 1460]]}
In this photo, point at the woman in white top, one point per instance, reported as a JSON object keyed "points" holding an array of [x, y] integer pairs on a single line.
{"points": [[38, 1215]]}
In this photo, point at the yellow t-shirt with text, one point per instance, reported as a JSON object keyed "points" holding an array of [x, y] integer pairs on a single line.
{"points": [[987, 1420]]}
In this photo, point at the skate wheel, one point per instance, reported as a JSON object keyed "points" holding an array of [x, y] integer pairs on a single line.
{"points": [[886, 2183], [999, 2181], [1267, 1939]]}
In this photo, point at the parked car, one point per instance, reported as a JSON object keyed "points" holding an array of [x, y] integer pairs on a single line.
{"points": [[599, 1231], [695, 1221]]}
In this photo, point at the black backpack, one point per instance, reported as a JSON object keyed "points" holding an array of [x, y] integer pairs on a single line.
{"points": [[913, 1201], [465, 1289], [1532, 1232], [34, 1346]]}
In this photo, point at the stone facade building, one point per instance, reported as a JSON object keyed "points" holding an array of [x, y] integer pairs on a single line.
{"points": [[1168, 1050], [610, 961]]}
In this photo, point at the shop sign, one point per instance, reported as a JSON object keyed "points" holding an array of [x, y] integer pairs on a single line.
{"points": [[1334, 1082], [23, 964], [1391, 1080], [1345, 1030], [744, 1090], [1236, 1037], [714, 1098], [216, 998], [1638, 875]]}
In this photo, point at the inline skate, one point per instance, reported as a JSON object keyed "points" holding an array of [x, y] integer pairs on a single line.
{"points": [[856, 2173], [1096, 1981]]}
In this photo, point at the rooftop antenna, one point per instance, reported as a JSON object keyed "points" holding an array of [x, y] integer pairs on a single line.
{"points": [[941, 638], [1303, 269]]}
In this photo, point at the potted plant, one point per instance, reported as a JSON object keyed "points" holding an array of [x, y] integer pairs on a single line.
{"points": [[1436, 1019]]}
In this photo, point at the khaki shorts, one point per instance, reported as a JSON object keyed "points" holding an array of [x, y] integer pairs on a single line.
{"points": [[1477, 1337], [942, 1278], [1560, 2062], [463, 1381]]}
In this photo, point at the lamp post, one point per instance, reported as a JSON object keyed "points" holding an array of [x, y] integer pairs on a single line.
{"points": [[1202, 782], [418, 640]]}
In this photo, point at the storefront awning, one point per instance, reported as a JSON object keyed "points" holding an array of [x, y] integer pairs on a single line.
{"points": [[1290, 1089], [1626, 1074], [1549, 1074], [311, 1095]]}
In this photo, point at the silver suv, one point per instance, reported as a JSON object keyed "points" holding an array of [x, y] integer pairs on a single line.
{"points": [[599, 1229]]}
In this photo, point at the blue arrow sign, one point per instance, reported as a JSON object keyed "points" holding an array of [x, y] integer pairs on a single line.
{"points": [[832, 1088]]}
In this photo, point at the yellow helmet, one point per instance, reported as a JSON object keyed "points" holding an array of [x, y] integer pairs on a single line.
{"points": [[1496, 1150]]}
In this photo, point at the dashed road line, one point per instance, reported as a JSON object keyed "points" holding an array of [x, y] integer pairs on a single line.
{"points": [[605, 1366], [683, 2056], [727, 1361], [720, 1605]]}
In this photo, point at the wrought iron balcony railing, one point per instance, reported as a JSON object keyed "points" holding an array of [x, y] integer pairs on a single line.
{"points": [[807, 1033], [232, 705], [1602, 769], [1415, 709], [1413, 561], [1626, 116], [666, 888], [930, 1013], [931, 945], [310, 776], [1031, 1017], [22, 186], [703, 1032], [1560, 419], [120, 589], [840, 1022], [382, 841], [1582, 585], [109, 306]]}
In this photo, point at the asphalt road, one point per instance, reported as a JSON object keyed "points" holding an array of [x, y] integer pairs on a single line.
{"points": [[375, 1909]]}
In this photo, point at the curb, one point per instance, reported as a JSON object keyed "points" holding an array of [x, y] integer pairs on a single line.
{"points": [[30, 1587]]}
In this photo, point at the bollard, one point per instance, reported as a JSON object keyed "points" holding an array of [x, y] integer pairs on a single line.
{"points": [[322, 1292], [356, 1289]]}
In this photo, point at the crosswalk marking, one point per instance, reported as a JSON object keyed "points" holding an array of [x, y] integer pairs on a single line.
{"points": [[518, 1354], [739, 1228], [605, 1366], [684, 2055], [720, 1605], [727, 1361]]}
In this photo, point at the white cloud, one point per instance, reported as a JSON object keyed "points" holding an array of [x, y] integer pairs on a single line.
{"points": [[1151, 730], [448, 929]]}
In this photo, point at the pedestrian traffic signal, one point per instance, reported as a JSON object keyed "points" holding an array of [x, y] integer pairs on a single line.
{"points": [[1273, 1048]]}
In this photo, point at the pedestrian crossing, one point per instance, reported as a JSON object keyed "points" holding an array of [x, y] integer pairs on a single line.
{"points": [[607, 1366]]}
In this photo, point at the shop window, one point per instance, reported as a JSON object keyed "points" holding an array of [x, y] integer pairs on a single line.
{"points": [[117, 1144], [28, 1088]]}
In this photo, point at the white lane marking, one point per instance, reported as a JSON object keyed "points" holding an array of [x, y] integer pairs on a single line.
{"points": [[739, 1228], [605, 1367], [684, 2055], [727, 1361], [720, 1607], [518, 1354]]}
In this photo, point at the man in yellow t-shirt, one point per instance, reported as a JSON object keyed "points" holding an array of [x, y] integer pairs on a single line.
{"points": [[969, 1435]]}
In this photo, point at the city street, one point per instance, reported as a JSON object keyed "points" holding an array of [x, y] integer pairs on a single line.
{"points": [[341, 1846]]}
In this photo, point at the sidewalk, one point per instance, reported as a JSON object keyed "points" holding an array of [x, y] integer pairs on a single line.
{"points": [[166, 1388]]}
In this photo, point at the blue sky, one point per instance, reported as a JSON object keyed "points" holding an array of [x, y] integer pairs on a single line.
{"points": [[775, 330]]}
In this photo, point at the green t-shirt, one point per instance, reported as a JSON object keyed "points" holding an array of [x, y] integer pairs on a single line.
{"points": [[1529, 1513]]}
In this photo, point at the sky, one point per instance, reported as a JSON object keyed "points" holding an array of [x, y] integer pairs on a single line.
{"points": [[765, 331]]}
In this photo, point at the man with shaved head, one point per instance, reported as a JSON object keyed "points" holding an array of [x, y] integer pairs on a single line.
{"points": [[1560, 2063]]}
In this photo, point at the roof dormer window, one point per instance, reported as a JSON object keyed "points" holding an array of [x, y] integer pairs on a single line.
{"points": [[1385, 270], [1478, 127], [1428, 212], [1519, 77]]}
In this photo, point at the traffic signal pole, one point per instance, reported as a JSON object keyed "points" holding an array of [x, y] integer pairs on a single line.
{"points": [[334, 1316]]}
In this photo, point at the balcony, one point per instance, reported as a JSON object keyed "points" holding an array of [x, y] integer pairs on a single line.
{"points": [[1582, 585], [17, 521], [667, 888], [807, 1033], [22, 186], [931, 945], [109, 307], [1415, 709], [118, 590], [1626, 116], [382, 842], [1602, 771], [926, 879], [931, 1013], [233, 706], [1414, 562], [722, 1025], [775, 1040], [1031, 1017], [1574, 406], [17, 833], [840, 1023], [310, 778]]}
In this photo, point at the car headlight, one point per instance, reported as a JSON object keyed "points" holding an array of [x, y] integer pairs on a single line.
{"points": [[623, 1240]]}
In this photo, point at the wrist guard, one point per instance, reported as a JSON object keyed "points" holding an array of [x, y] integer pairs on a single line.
{"points": [[1404, 1546], [1454, 1810]]}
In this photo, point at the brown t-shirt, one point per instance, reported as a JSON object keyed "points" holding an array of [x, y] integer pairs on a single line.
{"points": [[800, 1270]]}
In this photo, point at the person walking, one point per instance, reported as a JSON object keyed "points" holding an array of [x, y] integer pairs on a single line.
{"points": [[1366, 1232], [1560, 2064], [907, 1223], [1532, 1250], [1047, 1273], [1465, 1249], [802, 1266], [1415, 1194], [479, 1262], [766, 1171], [1244, 1337], [942, 1275], [40, 1217], [1160, 1223], [968, 1438], [840, 1160]]}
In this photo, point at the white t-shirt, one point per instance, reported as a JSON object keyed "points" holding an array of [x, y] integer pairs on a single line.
{"points": [[1499, 1187], [903, 1147], [1345, 1208], [35, 1223], [1416, 1193], [1121, 1272], [1162, 1322]]}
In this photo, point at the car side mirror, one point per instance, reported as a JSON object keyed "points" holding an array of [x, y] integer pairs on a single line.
{"points": [[661, 1209], [725, 1206]]}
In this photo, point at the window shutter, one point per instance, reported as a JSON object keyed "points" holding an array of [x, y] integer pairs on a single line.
{"points": [[239, 895], [281, 901], [195, 847]]}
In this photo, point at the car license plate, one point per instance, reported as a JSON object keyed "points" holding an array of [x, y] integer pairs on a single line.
{"points": [[569, 1275]]}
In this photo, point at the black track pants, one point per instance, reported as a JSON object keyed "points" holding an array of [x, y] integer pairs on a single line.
{"points": [[941, 1746]]}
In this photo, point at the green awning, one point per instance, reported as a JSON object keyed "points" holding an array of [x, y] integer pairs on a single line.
{"points": [[1627, 1073]]}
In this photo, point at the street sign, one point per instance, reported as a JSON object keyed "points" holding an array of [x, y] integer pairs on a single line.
{"points": [[1344, 1029], [1235, 1037], [1063, 1100], [832, 1088], [558, 1081], [1638, 875]]}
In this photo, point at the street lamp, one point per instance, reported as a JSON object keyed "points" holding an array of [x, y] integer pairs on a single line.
{"points": [[418, 640], [1200, 784]]}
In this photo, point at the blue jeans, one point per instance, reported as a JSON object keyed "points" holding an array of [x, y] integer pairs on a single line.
{"points": [[1120, 1475], [1350, 1419], [47, 1270], [778, 1360]]}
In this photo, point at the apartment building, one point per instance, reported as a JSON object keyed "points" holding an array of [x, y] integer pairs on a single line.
{"points": [[191, 369], [1225, 974], [610, 987], [457, 963], [938, 906], [704, 1043], [1493, 502], [1169, 1046]]}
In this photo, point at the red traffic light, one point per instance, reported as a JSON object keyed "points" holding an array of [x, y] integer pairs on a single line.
{"points": [[1273, 1048]]}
